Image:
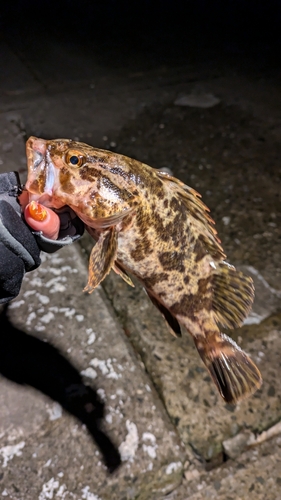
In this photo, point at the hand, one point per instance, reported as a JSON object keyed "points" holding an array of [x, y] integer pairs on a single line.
{"points": [[19, 246], [19, 251]]}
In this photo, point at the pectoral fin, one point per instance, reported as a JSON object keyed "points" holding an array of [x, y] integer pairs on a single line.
{"points": [[111, 220], [171, 321], [102, 258]]}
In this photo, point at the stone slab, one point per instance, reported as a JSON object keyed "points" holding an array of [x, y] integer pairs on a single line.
{"points": [[49, 436], [255, 475], [191, 400]]}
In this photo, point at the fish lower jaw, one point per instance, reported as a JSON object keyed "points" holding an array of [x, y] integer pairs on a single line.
{"points": [[46, 199]]}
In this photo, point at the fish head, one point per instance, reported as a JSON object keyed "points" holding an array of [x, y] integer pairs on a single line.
{"points": [[65, 172], [48, 170]]}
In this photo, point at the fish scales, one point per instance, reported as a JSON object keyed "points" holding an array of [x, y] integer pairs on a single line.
{"points": [[149, 224]]}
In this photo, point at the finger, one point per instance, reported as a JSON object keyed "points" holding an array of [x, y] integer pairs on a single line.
{"points": [[41, 218]]}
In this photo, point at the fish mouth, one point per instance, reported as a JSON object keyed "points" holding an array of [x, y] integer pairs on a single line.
{"points": [[41, 170]]}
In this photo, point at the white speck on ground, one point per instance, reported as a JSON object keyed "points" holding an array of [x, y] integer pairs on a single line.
{"points": [[109, 418], [48, 489], [253, 319], [48, 463], [105, 367], [150, 450], [16, 304], [92, 338], [54, 270], [61, 493], [30, 318], [89, 372], [55, 411], [148, 436], [55, 285], [101, 393], [28, 293], [39, 328], [43, 298], [55, 259], [69, 313], [87, 495], [79, 317], [226, 220], [129, 447], [47, 317], [173, 467], [36, 282], [11, 451]]}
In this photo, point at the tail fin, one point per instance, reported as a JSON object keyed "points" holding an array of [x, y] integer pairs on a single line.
{"points": [[234, 373], [233, 295]]}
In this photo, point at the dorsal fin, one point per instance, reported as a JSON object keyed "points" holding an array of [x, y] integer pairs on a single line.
{"points": [[199, 211]]}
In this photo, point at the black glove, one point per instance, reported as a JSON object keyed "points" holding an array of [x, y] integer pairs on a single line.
{"points": [[19, 246]]}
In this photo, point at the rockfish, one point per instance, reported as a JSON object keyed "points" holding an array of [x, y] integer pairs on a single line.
{"points": [[153, 226]]}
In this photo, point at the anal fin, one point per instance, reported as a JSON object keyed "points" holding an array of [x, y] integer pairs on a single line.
{"points": [[234, 373], [172, 322], [102, 258]]}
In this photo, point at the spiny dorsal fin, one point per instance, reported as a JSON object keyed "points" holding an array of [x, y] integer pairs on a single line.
{"points": [[234, 373], [199, 211], [233, 295], [111, 220]]}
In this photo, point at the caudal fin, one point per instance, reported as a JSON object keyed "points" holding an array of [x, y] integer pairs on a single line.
{"points": [[234, 373]]}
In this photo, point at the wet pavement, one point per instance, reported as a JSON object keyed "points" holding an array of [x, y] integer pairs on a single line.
{"points": [[91, 380]]}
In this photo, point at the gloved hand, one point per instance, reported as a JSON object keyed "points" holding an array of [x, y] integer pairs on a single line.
{"points": [[19, 246]]}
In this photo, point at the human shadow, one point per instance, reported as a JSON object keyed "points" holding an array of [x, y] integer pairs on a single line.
{"points": [[26, 360]]}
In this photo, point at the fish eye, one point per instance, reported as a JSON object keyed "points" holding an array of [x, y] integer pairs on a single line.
{"points": [[74, 158]]}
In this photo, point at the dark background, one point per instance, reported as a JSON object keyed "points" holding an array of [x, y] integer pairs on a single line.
{"points": [[152, 32]]}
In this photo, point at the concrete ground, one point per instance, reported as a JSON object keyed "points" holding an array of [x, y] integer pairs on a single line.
{"points": [[89, 382]]}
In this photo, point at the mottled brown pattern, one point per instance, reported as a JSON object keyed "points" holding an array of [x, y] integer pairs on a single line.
{"points": [[193, 304], [143, 221], [89, 173], [199, 250], [159, 230], [65, 180], [153, 279], [171, 261], [143, 247]]}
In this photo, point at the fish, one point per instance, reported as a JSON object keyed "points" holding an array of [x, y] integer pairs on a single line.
{"points": [[148, 224]]}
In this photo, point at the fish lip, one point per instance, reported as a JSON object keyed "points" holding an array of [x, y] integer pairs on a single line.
{"points": [[50, 174], [39, 164], [35, 152]]}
